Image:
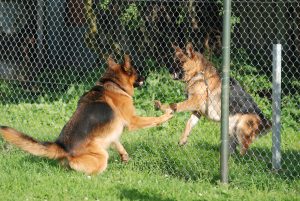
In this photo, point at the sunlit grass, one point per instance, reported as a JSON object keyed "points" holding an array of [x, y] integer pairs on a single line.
{"points": [[158, 168]]}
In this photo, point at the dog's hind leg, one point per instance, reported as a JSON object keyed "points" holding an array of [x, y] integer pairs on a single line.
{"points": [[90, 163], [193, 120], [121, 150]]}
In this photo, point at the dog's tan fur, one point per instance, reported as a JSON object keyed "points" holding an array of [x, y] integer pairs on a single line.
{"points": [[203, 86], [98, 122]]}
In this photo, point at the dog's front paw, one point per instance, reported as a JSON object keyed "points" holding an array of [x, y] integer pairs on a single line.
{"points": [[182, 142], [173, 107], [165, 117], [169, 111], [168, 115], [157, 104], [124, 158]]}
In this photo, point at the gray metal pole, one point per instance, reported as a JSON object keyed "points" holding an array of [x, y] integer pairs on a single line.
{"points": [[225, 91], [276, 103]]}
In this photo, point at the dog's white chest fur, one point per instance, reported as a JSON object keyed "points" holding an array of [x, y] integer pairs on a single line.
{"points": [[212, 108]]}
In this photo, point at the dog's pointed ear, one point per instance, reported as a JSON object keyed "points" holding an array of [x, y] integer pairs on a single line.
{"points": [[127, 63], [111, 62], [190, 50], [179, 53]]}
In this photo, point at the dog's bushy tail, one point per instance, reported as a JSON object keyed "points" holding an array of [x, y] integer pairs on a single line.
{"points": [[27, 143]]}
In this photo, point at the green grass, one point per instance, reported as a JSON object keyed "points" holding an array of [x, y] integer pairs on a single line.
{"points": [[158, 170]]}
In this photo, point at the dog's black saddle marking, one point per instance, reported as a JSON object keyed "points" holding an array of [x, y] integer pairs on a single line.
{"points": [[90, 114], [240, 101]]}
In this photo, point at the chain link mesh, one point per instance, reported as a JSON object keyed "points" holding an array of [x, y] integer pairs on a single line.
{"points": [[52, 51]]}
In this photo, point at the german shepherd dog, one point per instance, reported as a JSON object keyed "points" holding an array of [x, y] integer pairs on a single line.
{"points": [[97, 123], [203, 86]]}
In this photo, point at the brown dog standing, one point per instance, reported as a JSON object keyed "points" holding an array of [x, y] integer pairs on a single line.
{"points": [[203, 86], [97, 123]]}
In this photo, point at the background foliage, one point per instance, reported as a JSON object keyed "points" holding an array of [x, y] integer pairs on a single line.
{"points": [[55, 51]]}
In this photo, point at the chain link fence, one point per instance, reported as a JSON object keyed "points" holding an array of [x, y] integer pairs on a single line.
{"points": [[52, 51]]}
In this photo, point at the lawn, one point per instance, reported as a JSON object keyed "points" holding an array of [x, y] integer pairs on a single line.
{"points": [[158, 170]]}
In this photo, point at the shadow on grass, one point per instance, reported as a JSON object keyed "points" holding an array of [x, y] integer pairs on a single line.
{"points": [[45, 161], [260, 160], [189, 163], [134, 194], [200, 162]]}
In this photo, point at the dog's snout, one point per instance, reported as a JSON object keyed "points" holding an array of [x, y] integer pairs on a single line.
{"points": [[139, 82]]}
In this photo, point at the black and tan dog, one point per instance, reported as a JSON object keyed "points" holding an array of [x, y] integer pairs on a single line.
{"points": [[203, 86], [98, 122]]}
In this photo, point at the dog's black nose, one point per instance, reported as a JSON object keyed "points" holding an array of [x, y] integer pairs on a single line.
{"points": [[139, 82]]}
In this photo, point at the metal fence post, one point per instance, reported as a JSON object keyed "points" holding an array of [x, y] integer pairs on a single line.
{"points": [[276, 102], [225, 91]]}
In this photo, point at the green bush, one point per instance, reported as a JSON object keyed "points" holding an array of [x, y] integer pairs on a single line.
{"points": [[65, 85]]}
